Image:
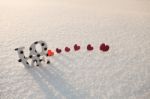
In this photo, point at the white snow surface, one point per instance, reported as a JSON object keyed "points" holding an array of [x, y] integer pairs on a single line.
{"points": [[121, 73]]}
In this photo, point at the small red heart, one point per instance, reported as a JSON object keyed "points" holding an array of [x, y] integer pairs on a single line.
{"points": [[58, 50], [89, 47], [104, 47], [50, 53], [76, 47], [67, 49]]}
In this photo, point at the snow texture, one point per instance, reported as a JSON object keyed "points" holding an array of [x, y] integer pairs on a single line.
{"points": [[121, 73]]}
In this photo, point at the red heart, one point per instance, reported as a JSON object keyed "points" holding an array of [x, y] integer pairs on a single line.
{"points": [[104, 47], [50, 53], [67, 49], [58, 50], [76, 47], [89, 47]]}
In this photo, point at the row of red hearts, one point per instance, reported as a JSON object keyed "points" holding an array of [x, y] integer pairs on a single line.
{"points": [[103, 47]]}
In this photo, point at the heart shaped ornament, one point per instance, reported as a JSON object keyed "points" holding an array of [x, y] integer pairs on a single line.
{"points": [[90, 47], [104, 47], [58, 50], [76, 47], [67, 49], [50, 53]]}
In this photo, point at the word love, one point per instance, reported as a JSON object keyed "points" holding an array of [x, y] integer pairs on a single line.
{"points": [[39, 57], [35, 56]]}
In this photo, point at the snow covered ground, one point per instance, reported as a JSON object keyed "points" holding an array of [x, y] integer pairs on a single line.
{"points": [[121, 73]]}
